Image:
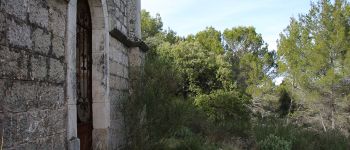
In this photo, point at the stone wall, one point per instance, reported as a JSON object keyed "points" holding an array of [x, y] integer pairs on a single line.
{"points": [[119, 91], [32, 74], [37, 72], [122, 17], [118, 19]]}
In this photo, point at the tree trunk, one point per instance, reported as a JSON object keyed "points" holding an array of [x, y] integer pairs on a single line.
{"points": [[322, 123], [332, 106]]}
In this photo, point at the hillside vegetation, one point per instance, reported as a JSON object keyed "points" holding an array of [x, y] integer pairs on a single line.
{"points": [[216, 90]]}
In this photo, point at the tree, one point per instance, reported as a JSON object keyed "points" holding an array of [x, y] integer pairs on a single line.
{"points": [[198, 67], [312, 53], [150, 26], [251, 61], [210, 39]]}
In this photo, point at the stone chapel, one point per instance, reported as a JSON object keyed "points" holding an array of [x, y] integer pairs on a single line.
{"points": [[65, 67]]}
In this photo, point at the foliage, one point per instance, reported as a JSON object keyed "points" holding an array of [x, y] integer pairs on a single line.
{"points": [[185, 139], [210, 39], [300, 138], [150, 26], [251, 61], [243, 39], [200, 91], [200, 68], [286, 104], [229, 110], [221, 105], [273, 142], [312, 55]]}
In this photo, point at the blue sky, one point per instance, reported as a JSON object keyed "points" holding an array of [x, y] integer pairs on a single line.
{"points": [[269, 17]]}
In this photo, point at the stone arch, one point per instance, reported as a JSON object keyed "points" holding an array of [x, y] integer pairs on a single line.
{"points": [[100, 74]]}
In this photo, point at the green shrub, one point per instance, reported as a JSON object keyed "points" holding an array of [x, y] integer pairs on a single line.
{"points": [[270, 125], [273, 142], [228, 110], [330, 140], [185, 139], [300, 138]]}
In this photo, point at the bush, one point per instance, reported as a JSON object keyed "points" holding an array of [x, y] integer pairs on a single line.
{"points": [[273, 142], [330, 140], [228, 110], [300, 138], [184, 139]]}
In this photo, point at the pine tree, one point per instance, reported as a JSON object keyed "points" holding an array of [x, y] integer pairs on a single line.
{"points": [[312, 53]]}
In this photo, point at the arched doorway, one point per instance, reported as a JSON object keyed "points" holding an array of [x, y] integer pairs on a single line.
{"points": [[84, 75]]}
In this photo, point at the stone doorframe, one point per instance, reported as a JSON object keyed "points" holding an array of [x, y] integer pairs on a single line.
{"points": [[100, 74]]}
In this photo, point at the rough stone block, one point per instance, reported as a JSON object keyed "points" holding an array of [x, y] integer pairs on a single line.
{"points": [[100, 139], [114, 82], [118, 125], [124, 30], [125, 60], [113, 12], [124, 84], [17, 8], [59, 5], [42, 123], [58, 46], [122, 48], [50, 97], [38, 14], [118, 140], [3, 28], [57, 23], [115, 54], [1, 125], [10, 130], [114, 96], [118, 50], [39, 68], [118, 97], [56, 73], [120, 17], [55, 122], [135, 57], [116, 68], [112, 4], [10, 126], [18, 34], [42, 41], [13, 64], [2, 94], [116, 114], [124, 96], [44, 143], [126, 72], [59, 142], [114, 23], [24, 146], [23, 129], [19, 96]]}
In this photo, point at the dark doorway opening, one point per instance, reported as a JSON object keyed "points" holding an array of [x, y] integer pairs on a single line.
{"points": [[84, 77]]}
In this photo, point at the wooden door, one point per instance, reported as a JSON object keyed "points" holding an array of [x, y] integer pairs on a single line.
{"points": [[84, 85]]}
